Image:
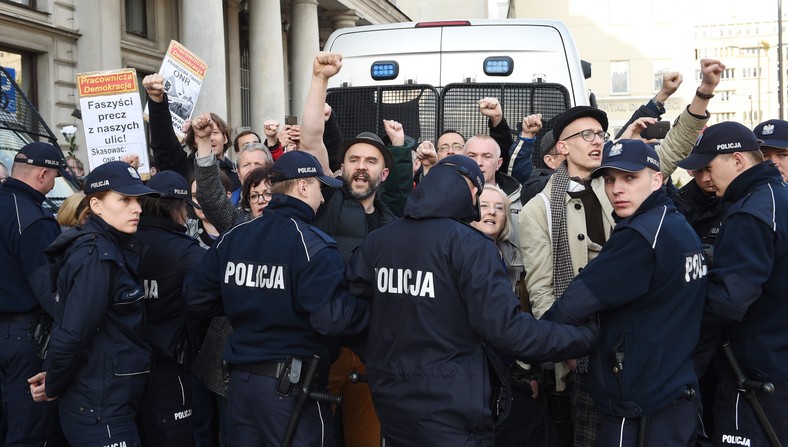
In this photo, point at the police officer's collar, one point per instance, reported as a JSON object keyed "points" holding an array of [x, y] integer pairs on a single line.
{"points": [[290, 207], [13, 185], [122, 240], [657, 198], [759, 174], [147, 220]]}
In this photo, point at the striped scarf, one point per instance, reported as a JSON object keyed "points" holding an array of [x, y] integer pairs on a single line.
{"points": [[562, 259]]}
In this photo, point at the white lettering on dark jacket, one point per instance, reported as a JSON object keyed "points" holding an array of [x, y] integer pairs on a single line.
{"points": [[257, 276], [405, 282]]}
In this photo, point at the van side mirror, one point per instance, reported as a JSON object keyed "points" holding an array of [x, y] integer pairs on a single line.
{"points": [[586, 69]]}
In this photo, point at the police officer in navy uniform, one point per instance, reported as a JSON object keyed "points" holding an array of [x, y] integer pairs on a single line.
{"points": [[442, 304], [170, 254], [281, 281], [746, 302], [647, 286], [98, 362], [26, 229]]}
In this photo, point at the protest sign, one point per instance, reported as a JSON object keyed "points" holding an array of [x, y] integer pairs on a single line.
{"points": [[183, 73], [112, 117]]}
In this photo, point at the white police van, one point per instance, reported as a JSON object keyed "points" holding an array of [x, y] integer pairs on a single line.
{"points": [[430, 75]]}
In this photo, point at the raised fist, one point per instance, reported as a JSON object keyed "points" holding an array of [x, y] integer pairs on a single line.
{"points": [[395, 132], [326, 64], [154, 87], [202, 126]]}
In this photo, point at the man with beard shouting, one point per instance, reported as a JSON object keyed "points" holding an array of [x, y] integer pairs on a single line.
{"points": [[348, 215]]}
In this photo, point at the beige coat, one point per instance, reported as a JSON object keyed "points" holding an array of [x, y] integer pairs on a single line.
{"points": [[535, 228]]}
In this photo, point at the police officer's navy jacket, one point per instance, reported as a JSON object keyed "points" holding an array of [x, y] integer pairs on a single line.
{"points": [[282, 284], [26, 229], [440, 294], [648, 285], [169, 256], [749, 278], [98, 362]]}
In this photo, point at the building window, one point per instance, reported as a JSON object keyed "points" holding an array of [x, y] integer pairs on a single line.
{"points": [[619, 78], [22, 67], [137, 17], [29, 3]]}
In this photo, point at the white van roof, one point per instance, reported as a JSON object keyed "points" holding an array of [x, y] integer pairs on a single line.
{"points": [[444, 52]]}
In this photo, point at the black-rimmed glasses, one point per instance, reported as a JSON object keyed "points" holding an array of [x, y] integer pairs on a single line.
{"points": [[589, 135]]}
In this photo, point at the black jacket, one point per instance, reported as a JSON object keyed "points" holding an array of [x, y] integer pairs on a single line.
{"points": [[163, 267], [703, 211], [167, 150], [651, 320], [343, 218], [26, 229], [98, 362], [281, 284], [441, 300]]}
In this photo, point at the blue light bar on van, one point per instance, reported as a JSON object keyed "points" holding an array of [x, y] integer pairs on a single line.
{"points": [[498, 66], [384, 70]]}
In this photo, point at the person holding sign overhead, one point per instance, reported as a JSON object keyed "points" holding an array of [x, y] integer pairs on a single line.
{"points": [[164, 143]]}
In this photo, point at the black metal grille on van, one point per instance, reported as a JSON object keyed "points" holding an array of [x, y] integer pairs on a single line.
{"points": [[20, 122], [363, 109], [459, 103], [425, 114]]}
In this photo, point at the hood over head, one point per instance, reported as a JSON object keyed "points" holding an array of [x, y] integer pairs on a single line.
{"points": [[444, 192]]}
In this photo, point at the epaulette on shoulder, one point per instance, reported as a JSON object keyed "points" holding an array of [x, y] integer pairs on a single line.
{"points": [[649, 224], [28, 212], [761, 206], [100, 246], [313, 239]]}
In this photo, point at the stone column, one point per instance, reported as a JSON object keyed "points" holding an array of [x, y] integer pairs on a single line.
{"points": [[202, 32], [233, 65], [343, 19], [267, 62], [101, 27], [304, 44]]}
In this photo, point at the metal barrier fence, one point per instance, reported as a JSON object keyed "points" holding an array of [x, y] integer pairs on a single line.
{"points": [[20, 122], [459, 103], [425, 114], [363, 109]]}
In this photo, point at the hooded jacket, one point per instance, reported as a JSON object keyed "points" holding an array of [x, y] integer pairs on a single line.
{"points": [[97, 362], [440, 296]]}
